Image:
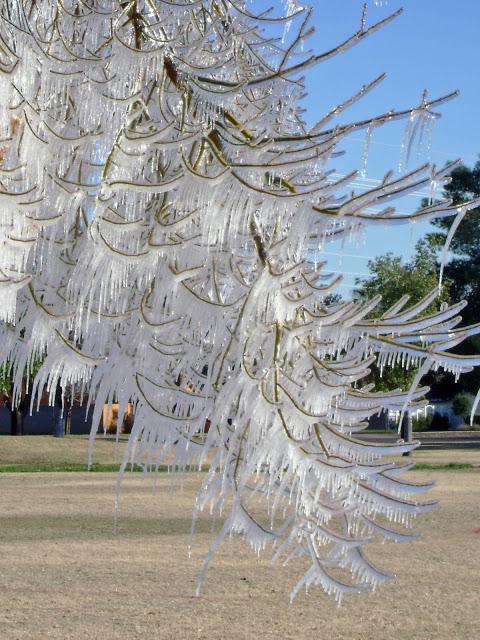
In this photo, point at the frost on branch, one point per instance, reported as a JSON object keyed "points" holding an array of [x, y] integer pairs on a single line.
{"points": [[161, 199]]}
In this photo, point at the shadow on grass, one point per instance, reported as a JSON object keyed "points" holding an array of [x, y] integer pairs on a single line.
{"points": [[95, 527], [450, 466], [68, 467]]}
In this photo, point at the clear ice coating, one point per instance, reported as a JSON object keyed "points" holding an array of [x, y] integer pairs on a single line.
{"points": [[162, 199]]}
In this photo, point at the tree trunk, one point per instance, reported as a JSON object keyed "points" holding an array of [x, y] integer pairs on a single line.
{"points": [[68, 421], [58, 422], [406, 430], [16, 422], [58, 414]]}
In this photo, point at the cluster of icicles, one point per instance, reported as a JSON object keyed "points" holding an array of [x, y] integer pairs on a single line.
{"points": [[160, 198]]}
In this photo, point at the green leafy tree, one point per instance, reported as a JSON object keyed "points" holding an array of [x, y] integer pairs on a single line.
{"points": [[463, 269], [392, 277], [462, 405], [18, 410]]}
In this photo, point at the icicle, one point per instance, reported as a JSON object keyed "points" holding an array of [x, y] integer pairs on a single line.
{"points": [[474, 407], [366, 149], [405, 145], [462, 211]]}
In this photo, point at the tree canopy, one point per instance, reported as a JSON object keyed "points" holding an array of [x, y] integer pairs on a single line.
{"points": [[462, 268], [392, 278]]}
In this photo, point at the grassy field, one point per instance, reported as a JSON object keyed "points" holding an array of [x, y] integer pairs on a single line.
{"points": [[68, 450], [65, 575], [34, 452]]}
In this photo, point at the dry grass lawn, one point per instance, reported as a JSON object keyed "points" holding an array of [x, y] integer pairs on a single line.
{"points": [[65, 575], [73, 450]]}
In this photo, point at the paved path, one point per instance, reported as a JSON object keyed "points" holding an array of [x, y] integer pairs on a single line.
{"points": [[433, 439]]}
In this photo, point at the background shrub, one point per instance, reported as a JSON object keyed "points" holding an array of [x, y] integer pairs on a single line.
{"points": [[462, 405], [439, 422], [435, 422], [422, 423]]}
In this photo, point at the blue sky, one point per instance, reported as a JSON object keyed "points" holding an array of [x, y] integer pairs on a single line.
{"points": [[433, 45]]}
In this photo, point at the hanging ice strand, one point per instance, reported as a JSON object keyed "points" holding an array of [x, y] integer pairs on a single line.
{"points": [[366, 151], [424, 129], [159, 213], [405, 145], [292, 8], [419, 129]]}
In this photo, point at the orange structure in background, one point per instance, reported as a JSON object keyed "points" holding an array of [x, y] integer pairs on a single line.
{"points": [[110, 419]]}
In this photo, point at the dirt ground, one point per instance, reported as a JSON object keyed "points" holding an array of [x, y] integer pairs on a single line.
{"points": [[65, 575]]}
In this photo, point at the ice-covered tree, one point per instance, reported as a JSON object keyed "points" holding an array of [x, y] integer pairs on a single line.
{"points": [[164, 211]]}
